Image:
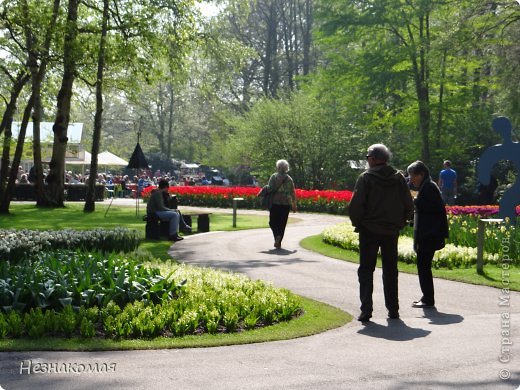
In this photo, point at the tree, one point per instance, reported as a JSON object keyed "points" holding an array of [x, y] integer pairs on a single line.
{"points": [[296, 128], [90, 201], [36, 42], [277, 44], [417, 66]]}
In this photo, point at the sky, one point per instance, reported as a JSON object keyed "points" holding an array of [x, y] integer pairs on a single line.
{"points": [[208, 10]]}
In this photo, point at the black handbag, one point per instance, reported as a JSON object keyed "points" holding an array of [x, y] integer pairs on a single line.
{"points": [[267, 196]]}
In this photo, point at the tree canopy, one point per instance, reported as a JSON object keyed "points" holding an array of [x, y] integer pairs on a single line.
{"points": [[312, 81]]}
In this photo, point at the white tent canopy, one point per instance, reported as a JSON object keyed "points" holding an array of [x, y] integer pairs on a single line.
{"points": [[105, 158]]}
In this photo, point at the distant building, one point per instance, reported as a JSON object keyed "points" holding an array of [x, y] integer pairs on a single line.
{"points": [[75, 148]]}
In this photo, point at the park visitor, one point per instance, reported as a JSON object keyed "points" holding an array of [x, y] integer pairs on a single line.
{"points": [[448, 183], [156, 206], [281, 185], [380, 207], [430, 228]]}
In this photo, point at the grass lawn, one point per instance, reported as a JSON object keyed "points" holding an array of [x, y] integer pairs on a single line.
{"points": [[492, 274], [27, 216], [318, 317]]}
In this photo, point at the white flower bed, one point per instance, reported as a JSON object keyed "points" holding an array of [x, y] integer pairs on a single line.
{"points": [[343, 235], [16, 244]]}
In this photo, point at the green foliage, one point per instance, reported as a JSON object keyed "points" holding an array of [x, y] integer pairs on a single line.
{"points": [[451, 256], [34, 323], [14, 323], [419, 77], [4, 326], [297, 128], [68, 321], [53, 280], [17, 245], [210, 301], [87, 329]]}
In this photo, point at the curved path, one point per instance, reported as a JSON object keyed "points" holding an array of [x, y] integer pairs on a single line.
{"points": [[455, 346]]}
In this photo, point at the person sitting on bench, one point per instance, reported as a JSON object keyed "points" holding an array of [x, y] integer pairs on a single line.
{"points": [[156, 206], [172, 202]]}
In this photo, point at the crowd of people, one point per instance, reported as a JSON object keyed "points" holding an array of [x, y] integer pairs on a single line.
{"points": [[120, 183]]}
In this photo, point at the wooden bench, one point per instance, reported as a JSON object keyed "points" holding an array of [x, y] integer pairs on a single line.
{"points": [[157, 228]]}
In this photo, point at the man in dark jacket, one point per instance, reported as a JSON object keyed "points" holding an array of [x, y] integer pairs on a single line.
{"points": [[380, 207]]}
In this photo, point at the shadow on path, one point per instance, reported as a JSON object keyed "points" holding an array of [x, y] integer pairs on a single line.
{"points": [[438, 318], [279, 252], [250, 264], [396, 330]]}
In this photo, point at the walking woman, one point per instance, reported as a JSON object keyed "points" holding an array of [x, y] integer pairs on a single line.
{"points": [[430, 228], [281, 185]]}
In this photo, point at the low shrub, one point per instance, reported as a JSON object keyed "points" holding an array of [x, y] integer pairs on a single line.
{"points": [[16, 245]]}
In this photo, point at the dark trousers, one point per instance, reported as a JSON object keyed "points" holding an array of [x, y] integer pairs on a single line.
{"points": [[369, 244], [278, 215], [425, 254]]}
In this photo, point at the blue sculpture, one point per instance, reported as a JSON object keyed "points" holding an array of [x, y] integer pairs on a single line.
{"points": [[509, 150]]}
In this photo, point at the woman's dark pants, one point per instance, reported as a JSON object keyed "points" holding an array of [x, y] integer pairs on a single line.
{"points": [[278, 215], [425, 254]]}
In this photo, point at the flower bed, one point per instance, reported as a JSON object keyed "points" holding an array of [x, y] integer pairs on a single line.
{"points": [[80, 290], [464, 228], [326, 201], [16, 245], [480, 211], [452, 256], [207, 301]]}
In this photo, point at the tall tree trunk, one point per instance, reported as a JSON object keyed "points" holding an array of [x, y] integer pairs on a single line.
{"points": [[161, 116], [37, 74], [5, 127], [56, 179], [440, 113], [5, 202], [90, 201], [17, 85], [421, 74], [307, 36], [271, 42], [289, 33], [170, 123]]}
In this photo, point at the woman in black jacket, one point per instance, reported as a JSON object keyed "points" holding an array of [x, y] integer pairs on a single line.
{"points": [[430, 228]]}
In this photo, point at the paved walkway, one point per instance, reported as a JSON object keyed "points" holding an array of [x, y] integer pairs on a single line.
{"points": [[456, 346]]}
